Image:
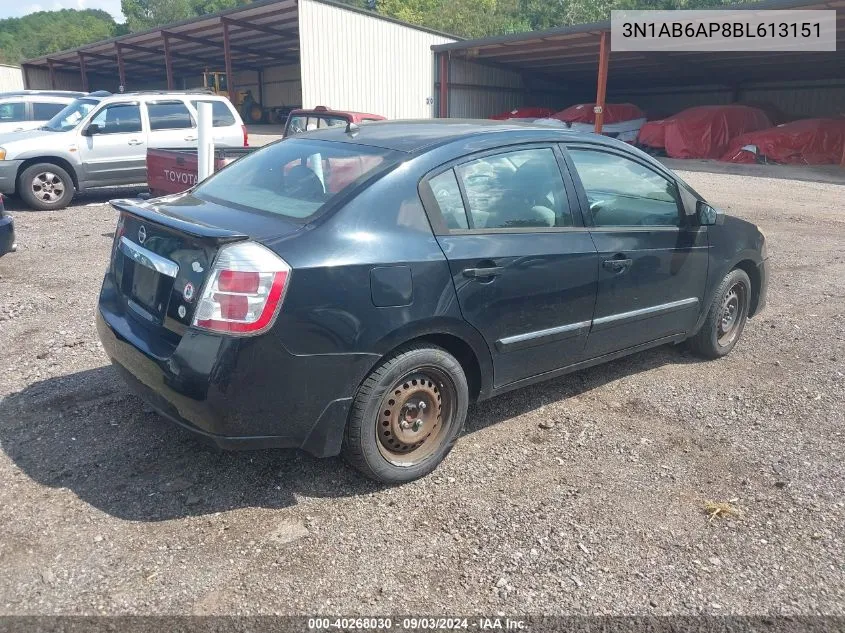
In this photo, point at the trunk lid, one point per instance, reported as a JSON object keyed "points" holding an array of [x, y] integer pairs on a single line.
{"points": [[164, 251]]}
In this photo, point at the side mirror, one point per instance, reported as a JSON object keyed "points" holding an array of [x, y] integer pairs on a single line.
{"points": [[707, 215], [91, 130]]}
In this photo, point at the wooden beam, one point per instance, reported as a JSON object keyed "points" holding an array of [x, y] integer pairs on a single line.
{"points": [[601, 90]]}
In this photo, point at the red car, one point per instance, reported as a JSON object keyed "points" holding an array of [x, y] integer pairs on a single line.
{"points": [[304, 120]]}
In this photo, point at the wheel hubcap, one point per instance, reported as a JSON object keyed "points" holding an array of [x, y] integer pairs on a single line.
{"points": [[415, 416], [733, 312], [48, 187]]}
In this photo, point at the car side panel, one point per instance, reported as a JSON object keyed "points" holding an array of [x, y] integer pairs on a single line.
{"points": [[329, 308]]}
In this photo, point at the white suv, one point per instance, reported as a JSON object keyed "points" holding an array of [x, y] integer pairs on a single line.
{"points": [[29, 109], [101, 140]]}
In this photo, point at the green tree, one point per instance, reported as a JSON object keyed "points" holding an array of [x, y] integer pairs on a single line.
{"points": [[46, 32], [147, 14]]}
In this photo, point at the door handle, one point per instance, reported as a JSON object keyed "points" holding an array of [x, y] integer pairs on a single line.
{"points": [[190, 138], [481, 273], [617, 265], [135, 141]]}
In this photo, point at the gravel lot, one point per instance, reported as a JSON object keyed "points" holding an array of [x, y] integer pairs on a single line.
{"points": [[106, 508]]}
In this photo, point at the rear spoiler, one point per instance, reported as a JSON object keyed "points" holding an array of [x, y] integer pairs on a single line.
{"points": [[148, 211]]}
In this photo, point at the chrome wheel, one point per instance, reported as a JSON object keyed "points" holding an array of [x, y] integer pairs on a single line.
{"points": [[48, 187], [734, 307], [416, 415]]}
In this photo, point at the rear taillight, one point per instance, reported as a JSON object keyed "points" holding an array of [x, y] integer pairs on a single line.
{"points": [[244, 291], [246, 136], [118, 233]]}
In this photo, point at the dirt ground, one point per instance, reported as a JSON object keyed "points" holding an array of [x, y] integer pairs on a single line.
{"points": [[106, 508]]}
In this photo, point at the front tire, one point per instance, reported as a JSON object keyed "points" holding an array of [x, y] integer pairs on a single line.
{"points": [[407, 415], [726, 317], [46, 187]]}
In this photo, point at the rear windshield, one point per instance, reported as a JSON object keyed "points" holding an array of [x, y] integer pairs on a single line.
{"points": [[294, 178]]}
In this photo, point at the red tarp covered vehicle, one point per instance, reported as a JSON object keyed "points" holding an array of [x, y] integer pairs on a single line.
{"points": [[804, 142], [703, 131], [613, 113], [528, 112]]}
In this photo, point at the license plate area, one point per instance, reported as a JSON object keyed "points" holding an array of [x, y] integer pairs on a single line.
{"points": [[145, 282]]}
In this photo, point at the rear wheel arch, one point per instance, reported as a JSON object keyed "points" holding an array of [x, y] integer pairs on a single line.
{"points": [[53, 160], [457, 338]]}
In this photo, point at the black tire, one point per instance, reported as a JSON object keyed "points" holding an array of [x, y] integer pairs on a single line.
{"points": [[46, 187], [726, 317], [395, 394]]}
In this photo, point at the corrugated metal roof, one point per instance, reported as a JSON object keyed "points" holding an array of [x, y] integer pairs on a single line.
{"points": [[262, 33]]}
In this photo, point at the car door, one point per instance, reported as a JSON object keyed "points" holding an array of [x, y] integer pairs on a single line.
{"points": [[523, 265], [652, 256], [113, 146], [172, 126]]}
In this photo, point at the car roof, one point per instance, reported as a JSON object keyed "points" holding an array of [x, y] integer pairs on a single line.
{"points": [[415, 136], [41, 94], [156, 95]]}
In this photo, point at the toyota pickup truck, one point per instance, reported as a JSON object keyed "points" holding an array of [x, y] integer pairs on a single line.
{"points": [[175, 170]]}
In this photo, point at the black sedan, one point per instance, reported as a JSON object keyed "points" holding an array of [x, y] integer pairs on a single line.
{"points": [[7, 230], [353, 289]]}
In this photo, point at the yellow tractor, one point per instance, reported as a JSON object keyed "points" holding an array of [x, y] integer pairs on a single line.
{"points": [[250, 109]]}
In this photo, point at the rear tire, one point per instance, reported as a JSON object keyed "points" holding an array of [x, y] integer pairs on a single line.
{"points": [[407, 415], [726, 317], [46, 187]]}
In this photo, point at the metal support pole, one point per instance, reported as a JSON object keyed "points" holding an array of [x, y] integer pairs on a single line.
{"points": [[205, 141], [227, 58], [261, 86], [121, 67], [52, 66], [168, 62], [601, 91], [25, 71], [83, 73], [443, 99]]}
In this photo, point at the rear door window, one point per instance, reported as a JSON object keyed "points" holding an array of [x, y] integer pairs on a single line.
{"points": [[294, 179], [221, 114], [12, 112], [521, 189], [169, 115], [44, 111]]}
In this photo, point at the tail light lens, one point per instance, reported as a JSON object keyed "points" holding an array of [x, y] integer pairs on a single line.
{"points": [[246, 136], [244, 291]]}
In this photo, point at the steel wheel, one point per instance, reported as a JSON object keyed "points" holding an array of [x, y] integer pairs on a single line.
{"points": [[48, 187], [734, 305], [415, 415]]}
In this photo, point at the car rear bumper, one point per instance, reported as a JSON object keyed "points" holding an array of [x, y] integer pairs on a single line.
{"points": [[7, 235], [237, 393], [9, 175]]}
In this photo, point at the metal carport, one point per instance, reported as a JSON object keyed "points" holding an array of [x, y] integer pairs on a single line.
{"points": [[289, 52], [562, 66]]}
